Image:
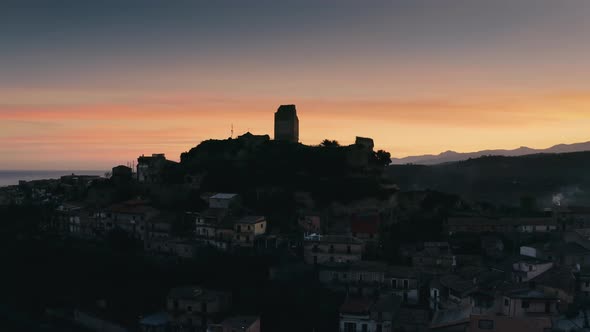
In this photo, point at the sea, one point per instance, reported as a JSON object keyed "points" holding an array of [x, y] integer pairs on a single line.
{"points": [[9, 178]]}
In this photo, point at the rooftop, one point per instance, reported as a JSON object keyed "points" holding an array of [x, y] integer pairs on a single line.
{"points": [[224, 196], [250, 220]]}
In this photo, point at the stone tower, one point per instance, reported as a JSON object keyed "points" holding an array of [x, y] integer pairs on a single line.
{"points": [[286, 124]]}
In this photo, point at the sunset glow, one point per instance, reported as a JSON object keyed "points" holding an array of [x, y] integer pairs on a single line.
{"points": [[416, 76]]}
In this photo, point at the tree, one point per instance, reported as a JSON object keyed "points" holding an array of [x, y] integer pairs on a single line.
{"points": [[383, 158], [329, 143]]}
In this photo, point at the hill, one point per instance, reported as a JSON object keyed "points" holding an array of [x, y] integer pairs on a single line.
{"points": [[504, 180], [452, 156]]}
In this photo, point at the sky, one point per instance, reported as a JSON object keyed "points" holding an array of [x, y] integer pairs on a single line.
{"points": [[93, 84]]}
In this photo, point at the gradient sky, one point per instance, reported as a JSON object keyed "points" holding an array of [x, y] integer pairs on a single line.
{"points": [[92, 84]]}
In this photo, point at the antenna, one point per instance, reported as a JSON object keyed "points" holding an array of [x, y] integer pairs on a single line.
{"points": [[232, 130]]}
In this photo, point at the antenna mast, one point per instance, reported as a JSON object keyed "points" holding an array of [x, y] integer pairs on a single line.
{"points": [[232, 130]]}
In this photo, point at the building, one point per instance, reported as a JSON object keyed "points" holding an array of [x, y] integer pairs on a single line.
{"points": [[223, 201], [436, 256], [130, 216], [501, 225], [370, 278], [491, 323], [237, 324], [310, 224], [528, 268], [365, 315], [150, 168], [194, 308], [365, 226], [528, 301], [247, 229], [287, 124], [318, 249], [365, 142], [121, 173]]}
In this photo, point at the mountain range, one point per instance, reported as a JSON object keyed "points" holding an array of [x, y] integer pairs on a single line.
{"points": [[452, 156]]}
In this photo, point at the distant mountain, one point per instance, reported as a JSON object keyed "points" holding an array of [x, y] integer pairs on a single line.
{"points": [[451, 156], [504, 180]]}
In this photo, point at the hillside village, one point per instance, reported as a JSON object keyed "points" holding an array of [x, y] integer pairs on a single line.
{"points": [[258, 234]]}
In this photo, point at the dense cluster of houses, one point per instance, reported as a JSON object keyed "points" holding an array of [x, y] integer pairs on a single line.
{"points": [[439, 289], [526, 275]]}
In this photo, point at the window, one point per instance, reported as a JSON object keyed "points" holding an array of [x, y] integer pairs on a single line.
{"points": [[261, 225], [344, 276], [248, 227], [365, 328], [349, 327], [331, 258], [331, 248], [506, 302], [485, 324], [394, 283], [405, 296], [379, 328], [530, 267], [189, 308], [587, 283], [406, 284], [524, 304], [348, 249]]}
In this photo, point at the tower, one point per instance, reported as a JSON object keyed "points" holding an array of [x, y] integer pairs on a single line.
{"points": [[287, 124]]}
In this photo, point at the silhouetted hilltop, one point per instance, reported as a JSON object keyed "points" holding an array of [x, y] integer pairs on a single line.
{"points": [[257, 164], [503, 179], [452, 156]]}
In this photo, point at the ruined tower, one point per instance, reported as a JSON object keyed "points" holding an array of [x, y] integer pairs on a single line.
{"points": [[287, 124]]}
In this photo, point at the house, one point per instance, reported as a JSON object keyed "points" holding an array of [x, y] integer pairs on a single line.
{"points": [[365, 226], [435, 256], [384, 313], [223, 201], [527, 268], [569, 254], [318, 249], [150, 169], [364, 315], [74, 219], [130, 216], [451, 320], [215, 227], [121, 173], [171, 247], [247, 228], [310, 224], [559, 281], [451, 291], [487, 323], [525, 300], [194, 308], [481, 224], [370, 278], [237, 324]]}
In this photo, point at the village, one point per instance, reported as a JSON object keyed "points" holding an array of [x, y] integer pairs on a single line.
{"points": [[396, 261]]}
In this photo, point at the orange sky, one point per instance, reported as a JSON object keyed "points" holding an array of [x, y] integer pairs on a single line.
{"points": [[89, 86]]}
